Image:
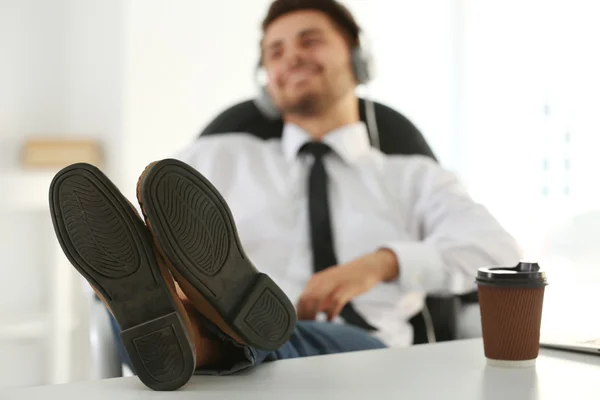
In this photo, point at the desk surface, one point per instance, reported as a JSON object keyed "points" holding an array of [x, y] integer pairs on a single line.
{"points": [[451, 370]]}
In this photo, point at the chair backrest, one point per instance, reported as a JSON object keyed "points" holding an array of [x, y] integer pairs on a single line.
{"points": [[397, 135]]}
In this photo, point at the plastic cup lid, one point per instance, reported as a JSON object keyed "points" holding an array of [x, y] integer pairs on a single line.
{"points": [[525, 274]]}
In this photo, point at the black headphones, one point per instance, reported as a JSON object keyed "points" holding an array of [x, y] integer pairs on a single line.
{"points": [[361, 67]]}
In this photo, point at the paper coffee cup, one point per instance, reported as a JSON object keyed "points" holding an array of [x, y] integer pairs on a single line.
{"points": [[511, 301]]}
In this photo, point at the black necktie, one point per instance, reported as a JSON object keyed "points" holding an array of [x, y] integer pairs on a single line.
{"points": [[320, 224]]}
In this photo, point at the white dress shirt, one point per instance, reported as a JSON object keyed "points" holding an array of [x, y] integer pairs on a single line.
{"points": [[408, 204]]}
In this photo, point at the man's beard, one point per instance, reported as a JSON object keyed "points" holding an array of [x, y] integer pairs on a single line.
{"points": [[316, 103], [308, 105]]}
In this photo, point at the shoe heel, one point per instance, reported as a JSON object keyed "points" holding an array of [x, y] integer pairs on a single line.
{"points": [[267, 318], [160, 352]]}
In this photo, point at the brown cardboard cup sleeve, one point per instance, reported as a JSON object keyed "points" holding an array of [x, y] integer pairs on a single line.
{"points": [[511, 301]]}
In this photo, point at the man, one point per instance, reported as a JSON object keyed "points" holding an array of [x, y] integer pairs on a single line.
{"points": [[382, 231], [405, 213]]}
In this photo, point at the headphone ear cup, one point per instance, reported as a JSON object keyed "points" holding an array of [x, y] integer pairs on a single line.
{"points": [[265, 104], [360, 65], [263, 100]]}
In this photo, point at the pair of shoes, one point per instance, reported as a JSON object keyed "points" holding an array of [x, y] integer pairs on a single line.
{"points": [[189, 234]]}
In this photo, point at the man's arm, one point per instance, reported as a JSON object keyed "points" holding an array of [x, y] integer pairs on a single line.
{"points": [[458, 236]]}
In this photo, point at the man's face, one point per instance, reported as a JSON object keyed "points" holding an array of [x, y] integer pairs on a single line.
{"points": [[307, 62]]}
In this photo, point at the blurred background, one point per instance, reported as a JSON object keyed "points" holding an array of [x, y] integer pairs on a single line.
{"points": [[507, 94]]}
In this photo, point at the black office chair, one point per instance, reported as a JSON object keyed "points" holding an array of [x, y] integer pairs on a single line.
{"points": [[397, 135]]}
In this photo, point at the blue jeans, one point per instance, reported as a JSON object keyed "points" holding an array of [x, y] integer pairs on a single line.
{"points": [[309, 338]]}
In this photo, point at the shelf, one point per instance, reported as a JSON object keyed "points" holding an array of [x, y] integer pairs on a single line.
{"points": [[27, 191], [24, 327], [30, 326], [23, 190]]}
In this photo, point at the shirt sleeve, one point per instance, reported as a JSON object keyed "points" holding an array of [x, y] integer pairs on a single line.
{"points": [[457, 235]]}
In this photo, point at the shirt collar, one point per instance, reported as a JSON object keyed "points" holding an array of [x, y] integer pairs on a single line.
{"points": [[349, 141]]}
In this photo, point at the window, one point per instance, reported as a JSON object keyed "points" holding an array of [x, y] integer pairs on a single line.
{"points": [[529, 143]]}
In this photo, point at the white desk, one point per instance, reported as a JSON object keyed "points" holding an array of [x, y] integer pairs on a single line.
{"points": [[448, 371]]}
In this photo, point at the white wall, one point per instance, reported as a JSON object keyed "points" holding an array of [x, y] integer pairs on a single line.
{"points": [[185, 62], [519, 57], [416, 53], [94, 96], [33, 71], [60, 72]]}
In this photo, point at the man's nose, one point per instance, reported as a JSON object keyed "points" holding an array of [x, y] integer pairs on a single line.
{"points": [[294, 57]]}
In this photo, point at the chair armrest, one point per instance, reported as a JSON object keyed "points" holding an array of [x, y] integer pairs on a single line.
{"points": [[106, 362], [469, 321], [444, 311], [455, 317]]}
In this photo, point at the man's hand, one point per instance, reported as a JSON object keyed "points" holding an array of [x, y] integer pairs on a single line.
{"points": [[330, 290]]}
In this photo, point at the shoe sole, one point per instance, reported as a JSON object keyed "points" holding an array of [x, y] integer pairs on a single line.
{"points": [[107, 242], [194, 228]]}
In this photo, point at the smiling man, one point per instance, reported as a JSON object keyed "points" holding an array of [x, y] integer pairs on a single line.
{"points": [[383, 231], [380, 231]]}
